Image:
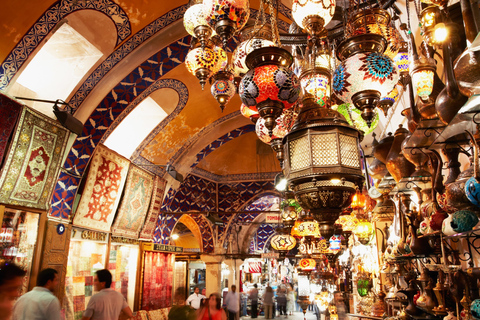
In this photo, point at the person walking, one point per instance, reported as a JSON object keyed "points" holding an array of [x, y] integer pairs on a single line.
{"points": [[290, 299], [106, 304], [282, 300], [195, 299], [254, 301], [268, 302], [213, 309], [232, 302], [40, 303], [11, 280]]}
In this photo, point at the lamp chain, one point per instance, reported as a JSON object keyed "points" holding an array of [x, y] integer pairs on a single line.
{"points": [[273, 22]]}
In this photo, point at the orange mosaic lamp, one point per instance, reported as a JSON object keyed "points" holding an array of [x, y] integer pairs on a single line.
{"points": [[307, 264]]}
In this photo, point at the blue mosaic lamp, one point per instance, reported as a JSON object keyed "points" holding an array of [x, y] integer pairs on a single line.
{"points": [[223, 87]]}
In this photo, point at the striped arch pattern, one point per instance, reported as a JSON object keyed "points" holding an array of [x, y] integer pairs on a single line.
{"points": [[97, 126], [48, 21]]}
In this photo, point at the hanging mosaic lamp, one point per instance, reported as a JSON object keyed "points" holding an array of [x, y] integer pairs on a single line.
{"points": [[223, 87], [226, 16], [354, 118], [283, 242], [348, 222], [270, 85], [402, 61], [290, 209], [335, 243], [284, 124], [249, 112], [309, 228], [313, 15], [422, 73], [389, 100], [307, 264], [253, 39], [295, 231], [364, 231], [318, 85], [196, 24], [362, 79], [203, 63]]}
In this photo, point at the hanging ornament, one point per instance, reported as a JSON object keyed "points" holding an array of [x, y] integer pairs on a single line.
{"points": [[196, 24], [204, 62], [313, 15], [283, 242], [223, 87], [249, 112]]}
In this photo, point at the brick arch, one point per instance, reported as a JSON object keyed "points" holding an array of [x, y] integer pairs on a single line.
{"points": [[193, 226], [48, 21]]}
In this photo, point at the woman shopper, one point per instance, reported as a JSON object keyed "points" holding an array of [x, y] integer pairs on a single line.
{"points": [[213, 309], [290, 300], [268, 302]]}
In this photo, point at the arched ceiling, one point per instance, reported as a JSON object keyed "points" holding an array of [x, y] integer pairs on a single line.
{"points": [[150, 46]]}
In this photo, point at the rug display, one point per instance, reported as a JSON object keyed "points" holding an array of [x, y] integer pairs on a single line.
{"points": [[157, 280], [134, 206], [33, 161], [10, 110], [103, 188], [154, 210]]}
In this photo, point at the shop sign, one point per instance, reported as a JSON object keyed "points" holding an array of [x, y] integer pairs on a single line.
{"points": [[255, 267], [124, 240], [270, 255], [80, 234], [273, 218], [161, 247]]}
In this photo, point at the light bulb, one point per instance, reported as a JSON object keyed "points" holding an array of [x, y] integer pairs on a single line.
{"points": [[440, 33]]}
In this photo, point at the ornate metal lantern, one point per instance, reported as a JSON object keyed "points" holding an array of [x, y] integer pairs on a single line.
{"points": [[313, 15], [322, 163], [283, 242], [223, 87], [196, 23], [204, 62]]}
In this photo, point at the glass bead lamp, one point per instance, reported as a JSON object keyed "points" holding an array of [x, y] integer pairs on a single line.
{"points": [[243, 49], [307, 264], [388, 101], [270, 85], [402, 61], [354, 117], [422, 73], [348, 222], [249, 112], [196, 23], [226, 16], [313, 15], [318, 85], [204, 62], [223, 87]]}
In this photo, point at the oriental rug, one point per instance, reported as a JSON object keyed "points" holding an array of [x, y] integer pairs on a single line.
{"points": [[155, 204], [135, 202], [9, 111], [33, 161], [103, 188]]}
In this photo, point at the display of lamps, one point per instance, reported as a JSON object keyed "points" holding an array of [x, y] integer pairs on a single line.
{"points": [[226, 16], [322, 162], [223, 87], [244, 48], [196, 23], [354, 118], [203, 63], [402, 61], [348, 222], [269, 85], [364, 231], [422, 73], [313, 15]]}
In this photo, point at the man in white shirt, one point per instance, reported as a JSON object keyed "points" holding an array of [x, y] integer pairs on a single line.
{"points": [[40, 303], [107, 304], [195, 299], [232, 302]]}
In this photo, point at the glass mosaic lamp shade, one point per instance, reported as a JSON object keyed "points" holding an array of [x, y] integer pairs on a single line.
{"points": [[283, 242], [335, 243], [318, 85], [309, 228], [223, 87], [313, 15], [284, 124], [295, 233], [270, 85], [196, 23], [307, 265], [226, 16], [362, 79], [364, 231], [249, 112], [348, 222], [240, 53], [389, 100], [423, 72], [204, 62], [290, 212], [354, 117]]}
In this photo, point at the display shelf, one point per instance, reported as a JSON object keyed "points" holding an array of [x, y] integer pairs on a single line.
{"points": [[475, 232], [434, 234], [425, 134]]}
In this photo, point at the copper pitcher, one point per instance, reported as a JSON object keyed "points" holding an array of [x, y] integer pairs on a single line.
{"points": [[398, 166], [381, 150]]}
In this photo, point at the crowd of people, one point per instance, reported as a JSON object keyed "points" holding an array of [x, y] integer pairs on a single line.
{"points": [[41, 304]]}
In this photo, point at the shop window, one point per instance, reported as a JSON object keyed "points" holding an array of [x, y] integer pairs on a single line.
{"points": [[18, 237], [122, 264]]}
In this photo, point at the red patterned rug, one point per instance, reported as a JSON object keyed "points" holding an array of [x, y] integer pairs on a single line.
{"points": [[103, 188], [154, 210]]}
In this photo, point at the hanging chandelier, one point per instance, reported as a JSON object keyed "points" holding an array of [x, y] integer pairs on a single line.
{"points": [[203, 63]]}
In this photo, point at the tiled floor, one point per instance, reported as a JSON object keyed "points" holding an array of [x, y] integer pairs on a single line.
{"points": [[295, 316]]}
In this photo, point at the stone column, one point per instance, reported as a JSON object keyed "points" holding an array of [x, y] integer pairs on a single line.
{"points": [[213, 274]]}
